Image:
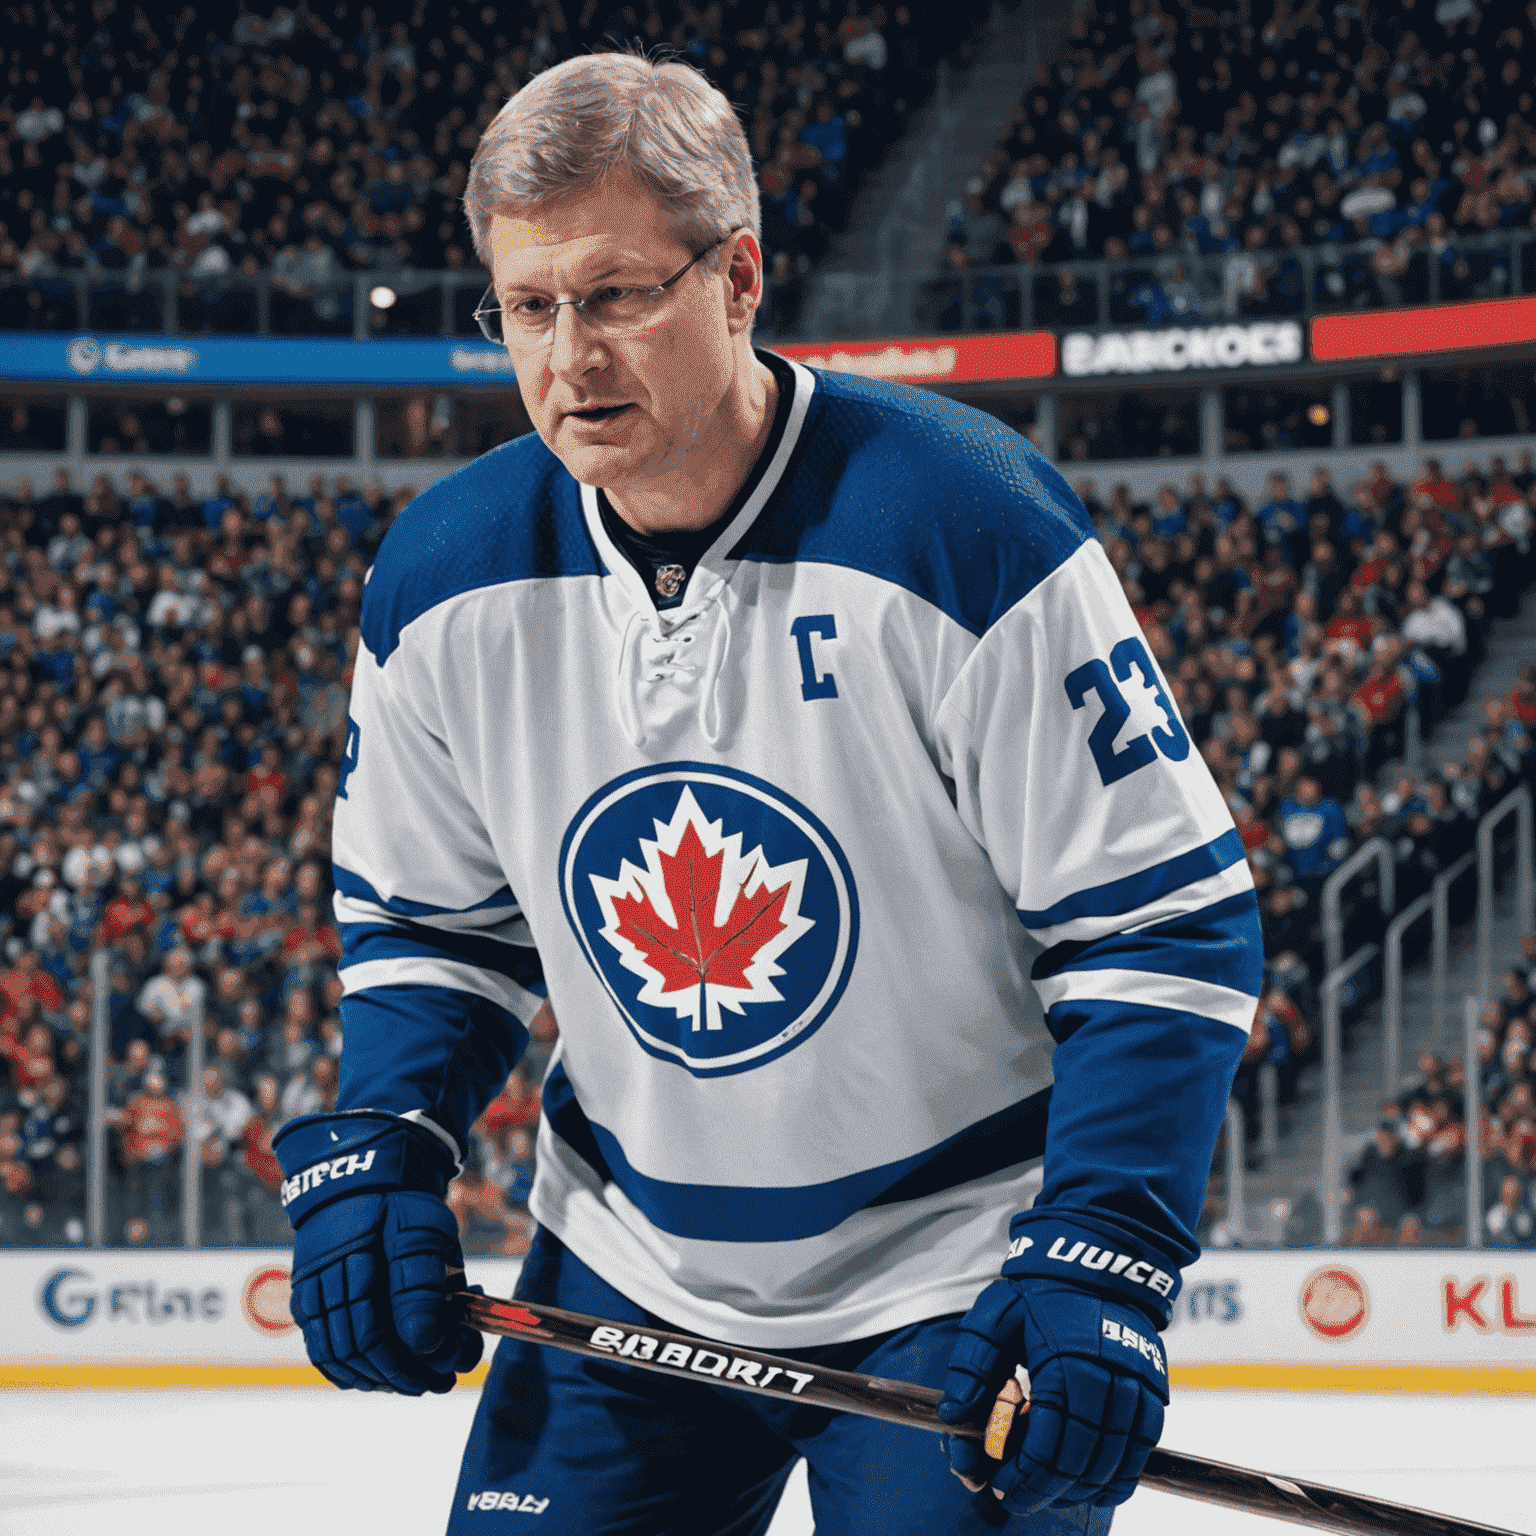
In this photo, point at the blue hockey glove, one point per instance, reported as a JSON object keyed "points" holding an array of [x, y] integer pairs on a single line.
{"points": [[1067, 1309], [375, 1252]]}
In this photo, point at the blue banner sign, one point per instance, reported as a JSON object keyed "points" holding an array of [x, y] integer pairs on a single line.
{"points": [[255, 360]]}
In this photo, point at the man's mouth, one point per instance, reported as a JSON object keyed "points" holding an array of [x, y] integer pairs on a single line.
{"points": [[599, 413]]}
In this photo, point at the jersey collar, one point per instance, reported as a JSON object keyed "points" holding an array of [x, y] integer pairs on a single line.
{"points": [[714, 568]]}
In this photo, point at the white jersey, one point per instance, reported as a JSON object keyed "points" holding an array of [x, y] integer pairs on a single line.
{"points": [[817, 870]]}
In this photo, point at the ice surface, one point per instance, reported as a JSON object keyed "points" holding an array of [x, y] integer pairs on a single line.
{"points": [[303, 1460]]}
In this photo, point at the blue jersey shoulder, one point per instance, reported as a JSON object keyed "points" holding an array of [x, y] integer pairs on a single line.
{"points": [[511, 515], [924, 492]]}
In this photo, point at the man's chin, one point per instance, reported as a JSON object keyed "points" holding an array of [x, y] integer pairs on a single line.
{"points": [[601, 464]]}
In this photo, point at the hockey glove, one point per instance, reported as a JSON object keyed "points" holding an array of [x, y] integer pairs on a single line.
{"points": [[373, 1251], [1098, 1379]]}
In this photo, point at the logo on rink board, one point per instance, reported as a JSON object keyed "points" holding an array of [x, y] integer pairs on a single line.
{"points": [[719, 914], [264, 1301], [1334, 1302]]}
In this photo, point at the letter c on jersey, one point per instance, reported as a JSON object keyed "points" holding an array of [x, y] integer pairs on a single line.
{"points": [[824, 625]]}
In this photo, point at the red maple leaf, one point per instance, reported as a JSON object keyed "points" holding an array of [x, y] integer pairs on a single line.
{"points": [[697, 950]]}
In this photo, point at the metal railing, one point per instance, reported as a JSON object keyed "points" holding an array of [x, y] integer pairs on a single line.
{"points": [[358, 305], [1377, 852], [1472, 1099], [1436, 901], [1306, 280], [1518, 804], [1303, 281], [96, 1127], [1392, 990], [194, 1111], [1237, 1197], [1330, 1190], [1269, 1110], [1440, 894]]}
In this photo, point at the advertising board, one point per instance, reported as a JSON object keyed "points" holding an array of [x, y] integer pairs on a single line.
{"points": [[1447, 1320], [254, 361], [161, 1317], [1436, 1320]]}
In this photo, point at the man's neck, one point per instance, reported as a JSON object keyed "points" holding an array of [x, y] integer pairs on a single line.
{"points": [[694, 496]]}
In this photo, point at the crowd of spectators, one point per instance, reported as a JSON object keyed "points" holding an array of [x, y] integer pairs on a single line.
{"points": [[1297, 636], [173, 714], [327, 139], [1409, 1187], [173, 701], [1173, 130]]}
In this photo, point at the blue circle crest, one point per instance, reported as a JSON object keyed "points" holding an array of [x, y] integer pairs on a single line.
{"points": [[719, 914]]}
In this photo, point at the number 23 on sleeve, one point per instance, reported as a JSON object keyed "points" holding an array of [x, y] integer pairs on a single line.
{"points": [[1103, 678]]}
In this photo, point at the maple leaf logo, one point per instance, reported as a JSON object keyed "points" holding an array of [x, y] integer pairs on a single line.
{"points": [[703, 924]]}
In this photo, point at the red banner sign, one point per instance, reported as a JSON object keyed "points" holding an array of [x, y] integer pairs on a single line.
{"points": [[935, 359], [1439, 328]]}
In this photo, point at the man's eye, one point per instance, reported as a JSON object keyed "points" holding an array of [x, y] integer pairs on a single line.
{"points": [[530, 306], [613, 294]]}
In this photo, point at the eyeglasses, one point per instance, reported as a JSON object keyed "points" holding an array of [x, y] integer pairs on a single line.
{"points": [[614, 310]]}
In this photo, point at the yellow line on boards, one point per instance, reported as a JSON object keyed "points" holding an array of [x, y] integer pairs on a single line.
{"points": [[1255, 1375], [1357, 1378]]}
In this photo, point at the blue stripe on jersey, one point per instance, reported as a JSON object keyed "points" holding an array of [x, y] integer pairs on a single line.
{"points": [[1140, 1096], [513, 514], [1115, 898], [985, 520], [726, 1213], [1220, 943], [444, 1052], [360, 890], [381, 941]]}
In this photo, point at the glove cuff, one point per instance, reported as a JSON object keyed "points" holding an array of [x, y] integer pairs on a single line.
{"points": [[1077, 1250], [325, 1157]]}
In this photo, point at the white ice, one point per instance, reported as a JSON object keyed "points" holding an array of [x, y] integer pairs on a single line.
{"points": [[248, 1463]]}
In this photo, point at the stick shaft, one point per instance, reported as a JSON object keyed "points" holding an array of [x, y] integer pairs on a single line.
{"points": [[900, 1402]]}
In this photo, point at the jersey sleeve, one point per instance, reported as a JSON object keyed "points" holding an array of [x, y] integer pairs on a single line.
{"points": [[1073, 770], [440, 974]]}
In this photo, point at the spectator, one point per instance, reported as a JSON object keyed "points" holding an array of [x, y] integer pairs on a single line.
{"points": [[1509, 1221], [1316, 834], [173, 1001], [153, 1132], [1386, 1176], [312, 1090], [486, 1223]]}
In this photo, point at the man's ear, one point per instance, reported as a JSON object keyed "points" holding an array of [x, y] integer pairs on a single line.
{"points": [[743, 263]]}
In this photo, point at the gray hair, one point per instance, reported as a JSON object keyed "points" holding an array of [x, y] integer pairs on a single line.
{"points": [[573, 126]]}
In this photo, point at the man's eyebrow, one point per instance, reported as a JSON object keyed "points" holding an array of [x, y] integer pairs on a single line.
{"points": [[592, 281]]}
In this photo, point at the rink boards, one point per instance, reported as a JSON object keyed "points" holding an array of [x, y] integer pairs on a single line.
{"points": [[1438, 1320]]}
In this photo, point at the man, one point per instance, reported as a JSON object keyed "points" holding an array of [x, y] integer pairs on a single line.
{"points": [[173, 1000], [814, 766]]}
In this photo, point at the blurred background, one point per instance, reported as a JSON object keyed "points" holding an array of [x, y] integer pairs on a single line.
{"points": [[1251, 273]]}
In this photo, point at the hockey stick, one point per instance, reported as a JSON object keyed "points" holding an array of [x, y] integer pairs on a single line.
{"points": [[900, 1402]]}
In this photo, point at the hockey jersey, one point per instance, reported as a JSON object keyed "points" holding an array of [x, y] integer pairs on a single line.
{"points": [[876, 871]]}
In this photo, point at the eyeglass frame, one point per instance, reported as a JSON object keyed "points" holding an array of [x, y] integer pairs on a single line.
{"points": [[482, 311]]}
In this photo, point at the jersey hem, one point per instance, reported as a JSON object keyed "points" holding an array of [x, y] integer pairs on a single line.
{"points": [[831, 1322]]}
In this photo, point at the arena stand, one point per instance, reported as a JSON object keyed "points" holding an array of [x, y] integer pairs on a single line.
{"points": [[1182, 161], [173, 697], [217, 174], [178, 618], [1408, 1185]]}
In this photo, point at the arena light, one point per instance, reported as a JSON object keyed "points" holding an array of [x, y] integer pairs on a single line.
{"points": [[1438, 328], [1318, 414], [382, 297]]}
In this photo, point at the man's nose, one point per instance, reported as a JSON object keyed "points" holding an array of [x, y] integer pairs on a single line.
{"points": [[575, 348]]}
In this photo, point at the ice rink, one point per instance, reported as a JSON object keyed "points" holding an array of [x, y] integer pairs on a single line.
{"points": [[151, 1463]]}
